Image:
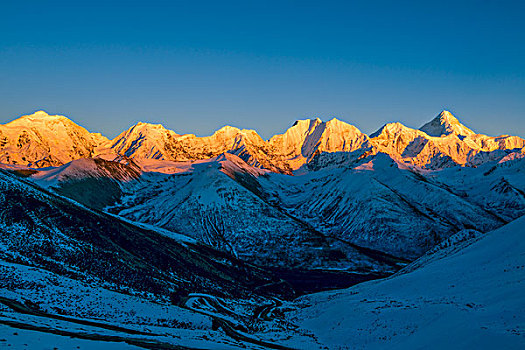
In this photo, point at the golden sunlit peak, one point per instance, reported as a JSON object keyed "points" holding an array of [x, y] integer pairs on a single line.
{"points": [[150, 125], [41, 113], [446, 115]]}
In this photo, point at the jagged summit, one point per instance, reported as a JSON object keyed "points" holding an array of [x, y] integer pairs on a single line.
{"points": [[307, 122], [445, 124], [143, 140], [146, 129], [149, 125]]}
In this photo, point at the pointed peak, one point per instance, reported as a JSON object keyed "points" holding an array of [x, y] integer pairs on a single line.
{"points": [[146, 126], [391, 128], [227, 129], [445, 123], [446, 114], [335, 121], [336, 125]]}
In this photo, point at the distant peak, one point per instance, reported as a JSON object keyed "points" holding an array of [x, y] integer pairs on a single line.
{"points": [[41, 113], [144, 125], [390, 128], [445, 123], [446, 116], [307, 122], [227, 128], [38, 118]]}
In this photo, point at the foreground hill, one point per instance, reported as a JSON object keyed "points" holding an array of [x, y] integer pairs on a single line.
{"points": [[43, 230], [467, 293]]}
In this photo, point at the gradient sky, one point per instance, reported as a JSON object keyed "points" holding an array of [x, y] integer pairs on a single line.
{"points": [[195, 66]]}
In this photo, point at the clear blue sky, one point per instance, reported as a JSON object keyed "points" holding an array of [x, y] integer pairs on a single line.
{"points": [[195, 66]]}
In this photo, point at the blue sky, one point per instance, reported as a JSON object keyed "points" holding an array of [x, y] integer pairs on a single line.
{"points": [[195, 66]]}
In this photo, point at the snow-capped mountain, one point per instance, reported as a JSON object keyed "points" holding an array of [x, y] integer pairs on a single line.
{"points": [[164, 223], [307, 138], [397, 192], [378, 203], [220, 202], [41, 140], [144, 141], [441, 143], [444, 142], [445, 124]]}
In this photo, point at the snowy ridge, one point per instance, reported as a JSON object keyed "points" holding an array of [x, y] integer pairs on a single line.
{"points": [[443, 142]]}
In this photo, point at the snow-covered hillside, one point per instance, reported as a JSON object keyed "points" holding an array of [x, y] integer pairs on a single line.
{"points": [[376, 202], [216, 202], [44, 230], [466, 295]]}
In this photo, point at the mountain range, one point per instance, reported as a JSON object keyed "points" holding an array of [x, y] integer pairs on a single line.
{"points": [[218, 242], [359, 203], [41, 140]]}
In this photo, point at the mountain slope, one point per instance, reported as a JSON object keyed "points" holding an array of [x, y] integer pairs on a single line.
{"points": [[47, 231], [208, 202], [469, 296], [94, 182], [498, 187], [377, 203]]}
